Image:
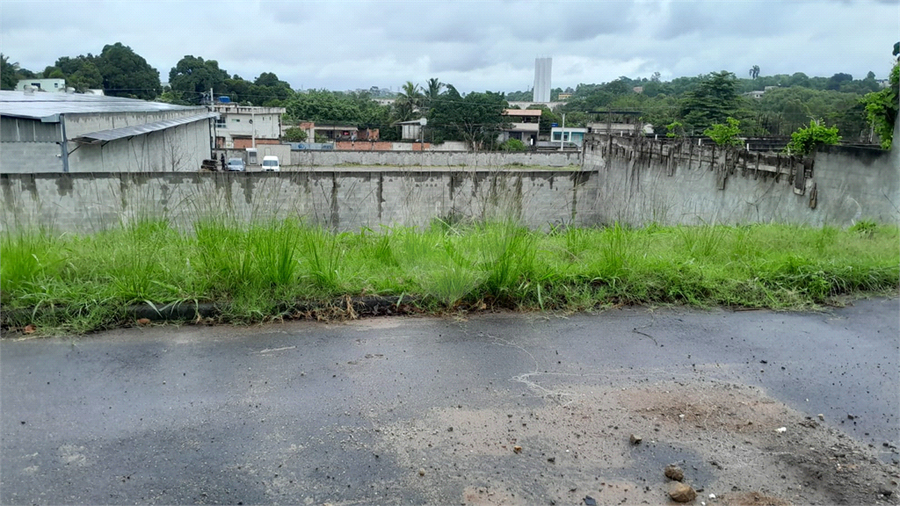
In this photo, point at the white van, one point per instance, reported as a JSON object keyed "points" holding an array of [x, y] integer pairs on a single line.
{"points": [[270, 164]]}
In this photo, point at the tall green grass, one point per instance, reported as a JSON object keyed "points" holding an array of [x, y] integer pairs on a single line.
{"points": [[257, 271]]}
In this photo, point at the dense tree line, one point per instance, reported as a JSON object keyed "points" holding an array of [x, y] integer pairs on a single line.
{"points": [[861, 109]]}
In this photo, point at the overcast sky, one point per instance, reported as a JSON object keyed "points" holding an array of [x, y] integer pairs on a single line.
{"points": [[476, 46]]}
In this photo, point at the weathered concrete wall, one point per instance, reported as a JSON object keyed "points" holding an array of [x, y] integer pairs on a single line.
{"points": [[178, 149], [432, 158], [641, 181], [338, 200], [30, 157]]}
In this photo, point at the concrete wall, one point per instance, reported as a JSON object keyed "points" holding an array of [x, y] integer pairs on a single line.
{"points": [[641, 181], [178, 149], [30, 157], [432, 158], [338, 200]]}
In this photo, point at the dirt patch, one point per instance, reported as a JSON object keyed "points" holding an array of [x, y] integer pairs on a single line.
{"points": [[732, 441]]}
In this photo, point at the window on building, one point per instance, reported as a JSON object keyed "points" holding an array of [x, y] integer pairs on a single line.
{"points": [[557, 136]]}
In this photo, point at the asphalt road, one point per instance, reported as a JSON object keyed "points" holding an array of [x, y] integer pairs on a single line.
{"points": [[296, 412]]}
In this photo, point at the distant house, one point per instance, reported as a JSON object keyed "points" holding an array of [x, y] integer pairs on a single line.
{"points": [[620, 129], [757, 94], [345, 132], [242, 127], [568, 134], [68, 132], [565, 96], [525, 125], [57, 85], [412, 129]]}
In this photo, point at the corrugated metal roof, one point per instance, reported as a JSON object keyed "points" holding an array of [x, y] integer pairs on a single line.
{"points": [[47, 107], [121, 133]]}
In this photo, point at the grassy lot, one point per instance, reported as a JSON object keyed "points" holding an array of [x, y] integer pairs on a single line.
{"points": [[63, 283]]}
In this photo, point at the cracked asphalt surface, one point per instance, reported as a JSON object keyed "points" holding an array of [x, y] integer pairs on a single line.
{"points": [[490, 409]]}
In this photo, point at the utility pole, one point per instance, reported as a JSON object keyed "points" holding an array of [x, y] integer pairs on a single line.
{"points": [[562, 133]]}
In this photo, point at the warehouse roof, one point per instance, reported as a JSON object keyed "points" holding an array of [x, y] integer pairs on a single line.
{"points": [[131, 131], [47, 107]]}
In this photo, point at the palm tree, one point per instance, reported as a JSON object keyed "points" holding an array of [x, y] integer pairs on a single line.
{"points": [[408, 101], [433, 91], [754, 72]]}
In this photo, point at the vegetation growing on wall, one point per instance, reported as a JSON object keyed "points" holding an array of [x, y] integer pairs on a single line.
{"points": [[882, 106], [805, 140]]}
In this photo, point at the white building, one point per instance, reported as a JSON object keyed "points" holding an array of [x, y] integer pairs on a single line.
{"points": [[574, 135], [412, 129], [67, 132], [542, 69], [57, 85], [242, 127]]}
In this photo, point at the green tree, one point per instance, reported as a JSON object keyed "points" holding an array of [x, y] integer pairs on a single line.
{"points": [[268, 90], [80, 72], [713, 100], [675, 130], [322, 106], [408, 102], [433, 91], [476, 118], [513, 145], [882, 107], [835, 81], [725, 134], [127, 74], [294, 134], [192, 78], [8, 71], [548, 117], [805, 140]]}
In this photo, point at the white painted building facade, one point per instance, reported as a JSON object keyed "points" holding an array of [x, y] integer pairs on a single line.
{"points": [[242, 127]]}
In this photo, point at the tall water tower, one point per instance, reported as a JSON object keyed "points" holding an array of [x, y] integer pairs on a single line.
{"points": [[542, 79]]}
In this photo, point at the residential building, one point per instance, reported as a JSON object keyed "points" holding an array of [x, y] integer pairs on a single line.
{"points": [[68, 132], [57, 85], [525, 125], [412, 129], [757, 94], [621, 129], [242, 127], [574, 135]]}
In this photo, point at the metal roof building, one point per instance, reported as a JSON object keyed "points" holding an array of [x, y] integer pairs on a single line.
{"points": [[66, 132]]}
